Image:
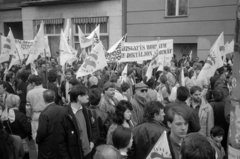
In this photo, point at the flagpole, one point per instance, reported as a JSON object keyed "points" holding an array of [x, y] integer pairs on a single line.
{"points": [[45, 67]]}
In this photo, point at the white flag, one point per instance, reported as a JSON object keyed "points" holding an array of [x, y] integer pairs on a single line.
{"points": [[115, 52], [87, 41], [47, 52], [65, 51], [124, 73], [33, 70], [229, 48], [161, 149], [153, 64], [38, 45], [16, 59], [214, 60], [67, 32], [94, 61], [6, 48]]}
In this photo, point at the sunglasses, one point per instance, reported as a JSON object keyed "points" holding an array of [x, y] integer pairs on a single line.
{"points": [[144, 90]]}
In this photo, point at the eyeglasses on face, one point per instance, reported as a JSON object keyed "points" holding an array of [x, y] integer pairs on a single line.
{"points": [[144, 90]]}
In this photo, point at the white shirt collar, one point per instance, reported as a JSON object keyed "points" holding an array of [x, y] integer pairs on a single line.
{"points": [[75, 110]]}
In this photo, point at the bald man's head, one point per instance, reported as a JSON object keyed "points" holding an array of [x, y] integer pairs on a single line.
{"points": [[49, 96]]}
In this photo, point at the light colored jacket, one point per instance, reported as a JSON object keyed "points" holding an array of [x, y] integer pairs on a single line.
{"points": [[206, 117]]}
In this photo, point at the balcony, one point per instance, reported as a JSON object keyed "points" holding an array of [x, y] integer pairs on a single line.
{"points": [[51, 2]]}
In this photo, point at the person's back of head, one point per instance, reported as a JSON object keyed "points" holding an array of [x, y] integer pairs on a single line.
{"points": [[94, 96], [196, 146], [93, 80], [107, 152], [49, 96], [37, 80], [182, 93]]}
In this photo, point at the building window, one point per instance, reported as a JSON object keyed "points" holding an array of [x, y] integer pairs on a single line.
{"points": [[87, 25], [176, 8], [52, 29]]}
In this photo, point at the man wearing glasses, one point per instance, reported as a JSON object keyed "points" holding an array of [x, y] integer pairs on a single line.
{"points": [[139, 101]]}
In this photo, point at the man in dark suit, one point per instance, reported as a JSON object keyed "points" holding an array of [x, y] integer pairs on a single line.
{"points": [[48, 130], [10, 83], [78, 130]]}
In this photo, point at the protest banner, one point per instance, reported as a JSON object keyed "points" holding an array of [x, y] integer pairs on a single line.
{"points": [[114, 53], [24, 46], [140, 51], [94, 61], [46, 52]]}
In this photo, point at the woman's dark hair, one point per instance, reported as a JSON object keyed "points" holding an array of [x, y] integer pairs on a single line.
{"points": [[24, 75], [94, 96], [6, 144], [121, 137], [152, 108], [77, 91], [119, 112]]}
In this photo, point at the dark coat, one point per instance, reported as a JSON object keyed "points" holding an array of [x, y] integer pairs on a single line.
{"points": [[69, 139], [219, 120], [22, 86], [63, 89], [213, 80], [9, 88], [20, 127], [145, 137], [48, 132], [194, 125]]}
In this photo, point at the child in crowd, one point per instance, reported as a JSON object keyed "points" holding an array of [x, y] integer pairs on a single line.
{"points": [[217, 134]]}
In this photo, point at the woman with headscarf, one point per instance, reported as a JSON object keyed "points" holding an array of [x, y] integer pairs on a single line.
{"points": [[15, 122]]}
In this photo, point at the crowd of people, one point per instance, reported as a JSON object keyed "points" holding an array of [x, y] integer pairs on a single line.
{"points": [[106, 116]]}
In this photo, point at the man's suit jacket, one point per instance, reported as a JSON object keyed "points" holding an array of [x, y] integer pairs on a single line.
{"points": [[10, 89]]}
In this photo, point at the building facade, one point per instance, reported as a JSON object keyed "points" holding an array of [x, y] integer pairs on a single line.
{"points": [[84, 13], [194, 25]]}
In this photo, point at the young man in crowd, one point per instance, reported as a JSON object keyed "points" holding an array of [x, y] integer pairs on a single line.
{"points": [[177, 120], [203, 109], [78, 127], [146, 135], [182, 96], [108, 101]]}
